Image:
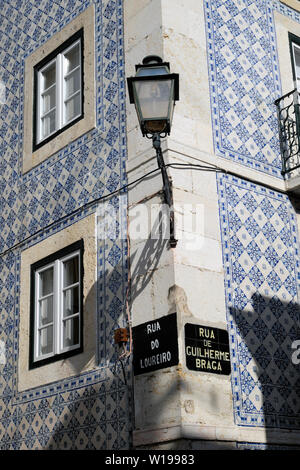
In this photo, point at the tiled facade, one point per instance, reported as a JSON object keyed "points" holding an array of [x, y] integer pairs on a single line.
{"points": [[88, 410], [245, 80], [258, 225], [250, 221], [261, 260]]}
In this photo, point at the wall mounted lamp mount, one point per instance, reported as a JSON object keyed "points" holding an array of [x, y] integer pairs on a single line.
{"points": [[153, 91]]}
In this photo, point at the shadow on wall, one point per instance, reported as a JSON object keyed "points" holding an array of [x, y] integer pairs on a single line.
{"points": [[266, 336], [267, 377], [267, 353], [267, 341], [101, 416], [94, 416]]}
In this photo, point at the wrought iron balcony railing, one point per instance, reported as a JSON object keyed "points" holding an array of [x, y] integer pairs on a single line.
{"points": [[288, 110]]}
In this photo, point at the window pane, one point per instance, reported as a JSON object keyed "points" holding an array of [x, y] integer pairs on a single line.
{"points": [[71, 271], [72, 83], [46, 340], [71, 301], [48, 124], [46, 310], [72, 59], [46, 282], [154, 97], [48, 100], [73, 107], [297, 64], [71, 332], [49, 76]]}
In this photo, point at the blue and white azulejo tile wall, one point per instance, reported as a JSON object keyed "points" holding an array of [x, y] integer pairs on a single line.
{"points": [[245, 80], [258, 226], [261, 264], [88, 410]]}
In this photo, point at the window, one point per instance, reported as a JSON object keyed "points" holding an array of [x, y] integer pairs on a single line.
{"points": [[56, 305], [35, 148], [59, 90], [295, 54]]}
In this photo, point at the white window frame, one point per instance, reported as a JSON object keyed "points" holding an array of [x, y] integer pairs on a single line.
{"points": [[58, 318], [60, 95], [297, 78]]}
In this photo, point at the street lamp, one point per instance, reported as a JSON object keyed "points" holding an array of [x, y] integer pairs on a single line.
{"points": [[154, 91]]}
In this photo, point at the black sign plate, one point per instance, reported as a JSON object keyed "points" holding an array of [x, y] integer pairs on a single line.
{"points": [[155, 345], [207, 349]]}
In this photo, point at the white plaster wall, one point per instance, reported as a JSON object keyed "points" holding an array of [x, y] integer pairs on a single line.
{"points": [[188, 279], [185, 49], [179, 403], [143, 37]]}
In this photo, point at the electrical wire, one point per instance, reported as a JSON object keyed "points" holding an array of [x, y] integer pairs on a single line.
{"points": [[179, 166], [117, 191], [84, 206], [193, 166], [175, 165], [127, 352]]}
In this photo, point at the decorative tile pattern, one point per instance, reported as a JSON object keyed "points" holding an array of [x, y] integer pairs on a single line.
{"points": [[261, 263], [73, 413], [71, 177], [245, 80]]}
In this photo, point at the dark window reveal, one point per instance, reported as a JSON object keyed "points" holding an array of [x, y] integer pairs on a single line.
{"points": [[56, 305]]}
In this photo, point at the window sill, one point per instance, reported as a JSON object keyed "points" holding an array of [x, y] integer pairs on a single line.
{"points": [[56, 358]]}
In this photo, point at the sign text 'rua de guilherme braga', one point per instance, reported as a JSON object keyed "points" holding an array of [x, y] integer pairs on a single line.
{"points": [[207, 349], [155, 345]]}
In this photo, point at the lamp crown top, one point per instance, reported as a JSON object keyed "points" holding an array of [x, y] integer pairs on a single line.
{"points": [[152, 59], [152, 62]]}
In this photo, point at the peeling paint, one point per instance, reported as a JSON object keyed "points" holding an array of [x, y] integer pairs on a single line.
{"points": [[189, 406], [177, 299]]}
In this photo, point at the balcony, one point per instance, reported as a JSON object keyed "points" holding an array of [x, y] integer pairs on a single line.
{"points": [[288, 110]]}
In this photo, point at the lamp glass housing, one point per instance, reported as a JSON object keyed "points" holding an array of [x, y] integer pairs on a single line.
{"points": [[152, 91], [154, 103]]}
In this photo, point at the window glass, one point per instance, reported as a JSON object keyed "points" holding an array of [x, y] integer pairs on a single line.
{"points": [[71, 271], [48, 100], [46, 282], [46, 341], [46, 310], [297, 64], [49, 76], [59, 91], [72, 108], [72, 83], [71, 301], [71, 332], [72, 59], [48, 124], [57, 305]]}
